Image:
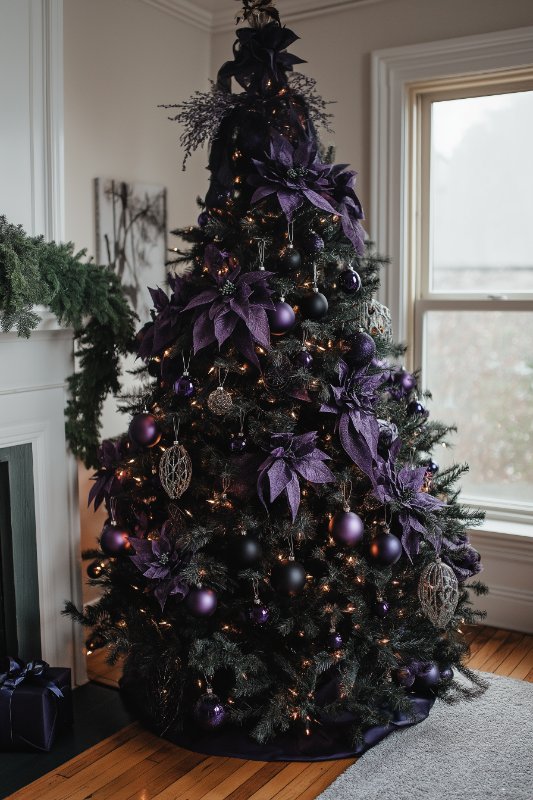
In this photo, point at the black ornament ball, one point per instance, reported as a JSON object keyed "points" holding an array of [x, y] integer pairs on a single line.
{"points": [[259, 614], [385, 549], [115, 541], [404, 676], [416, 409], [95, 642], [154, 367], [334, 640], [314, 306], [446, 673], [362, 350], [143, 430], [381, 608], [304, 359], [282, 318], [346, 528], [432, 467], [238, 443], [201, 602], [288, 577], [209, 712], [247, 550], [427, 676], [350, 281], [290, 260], [94, 570]]}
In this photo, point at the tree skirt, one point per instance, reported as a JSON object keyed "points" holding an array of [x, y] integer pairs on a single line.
{"points": [[477, 750]]}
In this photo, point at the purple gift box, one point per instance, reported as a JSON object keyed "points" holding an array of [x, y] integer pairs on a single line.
{"points": [[35, 704]]}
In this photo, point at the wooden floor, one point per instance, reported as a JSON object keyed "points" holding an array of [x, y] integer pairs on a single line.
{"points": [[135, 765]]}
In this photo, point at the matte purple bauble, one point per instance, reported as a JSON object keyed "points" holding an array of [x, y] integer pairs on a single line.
{"points": [[427, 676], [238, 443], [290, 260], [282, 318], [381, 608], [432, 467], [314, 306], [201, 602], [259, 614], [209, 712], [114, 541], [446, 673], [143, 430], [334, 640], [346, 528], [350, 280], [416, 409], [362, 350], [404, 676], [288, 577], [385, 549], [184, 387], [304, 359], [203, 219]]}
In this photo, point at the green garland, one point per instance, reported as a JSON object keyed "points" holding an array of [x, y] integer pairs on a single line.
{"points": [[84, 296]]}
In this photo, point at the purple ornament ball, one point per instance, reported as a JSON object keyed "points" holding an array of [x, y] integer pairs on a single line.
{"points": [[381, 608], [115, 541], [143, 430], [416, 409], [362, 350], [288, 577], [427, 676], [201, 602], [350, 281], [334, 641], [314, 244], [346, 528], [432, 467], [404, 676], [238, 443], [184, 387], [281, 318], [404, 380], [446, 673], [209, 712], [304, 359], [385, 549], [259, 614], [203, 219]]}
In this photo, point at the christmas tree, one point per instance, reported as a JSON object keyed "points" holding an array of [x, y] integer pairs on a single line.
{"points": [[284, 563]]}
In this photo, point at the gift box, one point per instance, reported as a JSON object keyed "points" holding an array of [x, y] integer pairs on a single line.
{"points": [[35, 704]]}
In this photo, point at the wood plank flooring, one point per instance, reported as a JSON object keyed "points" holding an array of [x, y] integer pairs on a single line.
{"points": [[136, 765]]}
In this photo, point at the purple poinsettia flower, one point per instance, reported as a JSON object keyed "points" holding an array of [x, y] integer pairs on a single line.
{"points": [[165, 327], [461, 557], [411, 506], [234, 308], [160, 562], [293, 174], [289, 457], [348, 206], [353, 402], [106, 483]]}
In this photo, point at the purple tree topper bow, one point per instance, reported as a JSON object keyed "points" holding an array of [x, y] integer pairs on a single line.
{"points": [[160, 561], [292, 456]]}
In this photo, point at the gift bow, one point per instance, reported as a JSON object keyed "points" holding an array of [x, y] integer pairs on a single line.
{"points": [[13, 672]]}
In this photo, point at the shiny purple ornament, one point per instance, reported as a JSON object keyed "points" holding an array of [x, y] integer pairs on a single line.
{"points": [[209, 712], [143, 430], [350, 281], [184, 387], [432, 467], [385, 549], [203, 219], [404, 381], [304, 359], [381, 608], [334, 641], [259, 614], [282, 318], [362, 350], [446, 674], [404, 676], [346, 528], [416, 409], [115, 541], [201, 602], [427, 676], [238, 443]]}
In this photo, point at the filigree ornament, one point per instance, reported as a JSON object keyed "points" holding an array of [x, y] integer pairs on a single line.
{"points": [[438, 592]]}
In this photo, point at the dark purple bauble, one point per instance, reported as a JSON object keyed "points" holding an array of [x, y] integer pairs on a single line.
{"points": [[115, 541], [247, 550], [381, 608], [404, 676], [281, 319], [334, 641], [143, 430], [209, 712], [314, 244], [404, 380], [184, 387], [385, 549], [95, 642], [350, 280], [288, 577], [446, 673], [346, 528], [290, 260], [154, 367], [314, 306], [94, 570], [259, 614], [201, 602], [304, 359], [203, 219], [427, 676], [238, 443], [432, 467], [362, 350], [416, 409]]}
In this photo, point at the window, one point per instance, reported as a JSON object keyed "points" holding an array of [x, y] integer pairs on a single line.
{"points": [[470, 289]]}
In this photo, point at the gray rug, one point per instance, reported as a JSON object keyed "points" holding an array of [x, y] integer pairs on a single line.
{"points": [[478, 750]]}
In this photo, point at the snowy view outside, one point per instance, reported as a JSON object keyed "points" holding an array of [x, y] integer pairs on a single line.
{"points": [[479, 365]]}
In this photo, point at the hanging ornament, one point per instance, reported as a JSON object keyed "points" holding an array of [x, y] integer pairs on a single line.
{"points": [[175, 468], [238, 442], [427, 676], [381, 608], [259, 614], [261, 246], [115, 540], [438, 592], [432, 467], [304, 359], [154, 367], [282, 318], [291, 259], [350, 280], [334, 640], [220, 400], [377, 320], [221, 499], [314, 305], [403, 382], [345, 527], [446, 673], [144, 431], [362, 350], [288, 576], [314, 244], [95, 569], [209, 711], [247, 550], [416, 409], [184, 387], [203, 218], [385, 548], [201, 601]]}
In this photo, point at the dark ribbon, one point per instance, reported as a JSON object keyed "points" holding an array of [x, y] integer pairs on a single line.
{"points": [[14, 673]]}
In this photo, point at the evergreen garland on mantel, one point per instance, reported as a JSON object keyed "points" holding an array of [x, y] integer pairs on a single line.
{"points": [[84, 296]]}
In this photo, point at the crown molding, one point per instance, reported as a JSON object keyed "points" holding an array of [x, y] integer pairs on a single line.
{"points": [[223, 19]]}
